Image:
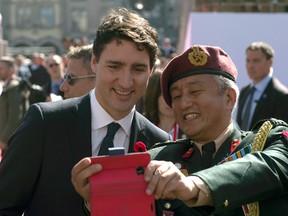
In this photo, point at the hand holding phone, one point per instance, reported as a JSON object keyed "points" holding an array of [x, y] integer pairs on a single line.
{"points": [[119, 189]]}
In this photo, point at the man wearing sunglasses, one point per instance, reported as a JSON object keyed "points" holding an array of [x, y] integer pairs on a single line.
{"points": [[35, 172], [79, 78]]}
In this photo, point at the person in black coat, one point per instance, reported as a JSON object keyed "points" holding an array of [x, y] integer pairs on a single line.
{"points": [[270, 98]]}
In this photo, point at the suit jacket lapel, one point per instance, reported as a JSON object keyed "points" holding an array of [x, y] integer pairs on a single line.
{"points": [[264, 101], [80, 130], [137, 132], [242, 99]]}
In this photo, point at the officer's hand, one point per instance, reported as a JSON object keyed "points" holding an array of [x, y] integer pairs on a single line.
{"points": [[80, 176], [166, 181]]}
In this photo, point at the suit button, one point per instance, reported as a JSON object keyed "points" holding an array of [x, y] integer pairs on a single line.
{"points": [[167, 205]]}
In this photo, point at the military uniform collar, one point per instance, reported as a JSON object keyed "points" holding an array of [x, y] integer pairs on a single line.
{"points": [[220, 139]]}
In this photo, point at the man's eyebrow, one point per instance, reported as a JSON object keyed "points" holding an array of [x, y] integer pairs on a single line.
{"points": [[189, 83], [122, 63], [140, 65], [113, 62]]}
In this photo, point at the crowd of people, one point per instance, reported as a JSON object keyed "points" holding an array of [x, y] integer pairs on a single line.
{"points": [[127, 87]]}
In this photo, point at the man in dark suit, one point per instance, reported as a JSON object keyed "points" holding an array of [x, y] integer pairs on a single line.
{"points": [[219, 169], [35, 172], [39, 74], [270, 96]]}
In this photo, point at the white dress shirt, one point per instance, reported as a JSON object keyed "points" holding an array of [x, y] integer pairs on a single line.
{"points": [[99, 121]]}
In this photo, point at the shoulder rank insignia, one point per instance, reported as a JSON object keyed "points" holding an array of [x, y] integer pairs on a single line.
{"points": [[197, 57]]}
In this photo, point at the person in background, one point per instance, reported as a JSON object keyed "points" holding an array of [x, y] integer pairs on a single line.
{"points": [[265, 97], [166, 49], [55, 69], [156, 109], [15, 99], [22, 66], [55, 136], [39, 74], [11, 112], [79, 78], [219, 169]]}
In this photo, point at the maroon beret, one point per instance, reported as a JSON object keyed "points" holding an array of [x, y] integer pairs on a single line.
{"points": [[197, 59]]}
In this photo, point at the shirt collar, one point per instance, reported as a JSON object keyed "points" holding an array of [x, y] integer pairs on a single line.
{"points": [[223, 136], [220, 139], [100, 118]]}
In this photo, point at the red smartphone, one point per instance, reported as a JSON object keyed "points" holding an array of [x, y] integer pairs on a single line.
{"points": [[119, 189]]}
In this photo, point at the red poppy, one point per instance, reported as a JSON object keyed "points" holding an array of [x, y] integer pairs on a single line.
{"points": [[140, 147]]}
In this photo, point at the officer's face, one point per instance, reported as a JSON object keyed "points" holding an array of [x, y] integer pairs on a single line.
{"points": [[201, 111]]}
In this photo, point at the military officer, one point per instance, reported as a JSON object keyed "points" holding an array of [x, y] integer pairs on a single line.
{"points": [[219, 169]]}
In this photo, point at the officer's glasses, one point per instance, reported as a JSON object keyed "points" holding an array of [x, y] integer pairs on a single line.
{"points": [[71, 79]]}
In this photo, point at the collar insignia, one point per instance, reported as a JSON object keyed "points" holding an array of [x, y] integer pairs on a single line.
{"points": [[285, 135], [234, 144]]}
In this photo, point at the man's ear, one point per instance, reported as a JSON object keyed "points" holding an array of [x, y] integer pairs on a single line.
{"points": [[231, 97], [93, 63]]}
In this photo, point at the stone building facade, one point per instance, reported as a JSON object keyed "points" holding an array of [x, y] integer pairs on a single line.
{"points": [[42, 25]]}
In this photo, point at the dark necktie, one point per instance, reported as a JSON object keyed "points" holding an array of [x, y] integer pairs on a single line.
{"points": [[207, 154], [245, 125], [107, 142]]}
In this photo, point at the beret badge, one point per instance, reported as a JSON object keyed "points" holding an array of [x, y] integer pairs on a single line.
{"points": [[197, 57]]}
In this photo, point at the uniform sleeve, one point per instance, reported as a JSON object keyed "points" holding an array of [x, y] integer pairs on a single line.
{"points": [[204, 197], [257, 176]]}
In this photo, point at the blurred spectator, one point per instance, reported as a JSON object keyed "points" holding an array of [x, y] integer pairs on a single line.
{"points": [[14, 100], [22, 64], [65, 60], [167, 49], [79, 77], [11, 111], [67, 43], [269, 98], [39, 74], [55, 69], [156, 109]]}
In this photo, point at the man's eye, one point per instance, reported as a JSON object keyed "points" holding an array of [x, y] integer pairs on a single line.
{"points": [[140, 69], [113, 66], [174, 97], [195, 92]]}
